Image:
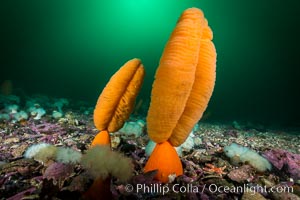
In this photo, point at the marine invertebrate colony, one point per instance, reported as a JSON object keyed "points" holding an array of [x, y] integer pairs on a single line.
{"points": [[102, 163], [246, 155], [183, 85], [113, 108], [117, 99]]}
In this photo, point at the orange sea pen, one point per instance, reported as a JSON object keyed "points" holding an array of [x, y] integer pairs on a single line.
{"points": [[169, 163], [175, 75], [201, 91], [100, 190], [183, 85], [102, 138], [113, 108], [117, 99]]}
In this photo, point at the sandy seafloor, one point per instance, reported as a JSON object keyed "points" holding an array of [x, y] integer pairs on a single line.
{"points": [[22, 178]]}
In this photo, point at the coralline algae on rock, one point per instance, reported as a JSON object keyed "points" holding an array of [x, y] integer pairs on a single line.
{"points": [[280, 158]]}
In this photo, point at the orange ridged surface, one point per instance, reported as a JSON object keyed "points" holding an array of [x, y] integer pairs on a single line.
{"points": [[126, 104], [175, 75], [117, 99], [207, 32], [200, 95]]}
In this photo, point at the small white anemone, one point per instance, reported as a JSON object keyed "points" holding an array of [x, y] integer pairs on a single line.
{"points": [[35, 149]]}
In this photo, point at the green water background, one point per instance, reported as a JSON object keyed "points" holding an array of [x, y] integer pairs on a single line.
{"points": [[70, 48]]}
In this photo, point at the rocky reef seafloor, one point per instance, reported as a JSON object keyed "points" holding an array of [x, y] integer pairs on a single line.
{"points": [[209, 171]]}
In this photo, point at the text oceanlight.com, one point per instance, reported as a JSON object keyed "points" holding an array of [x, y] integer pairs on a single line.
{"points": [[212, 188]]}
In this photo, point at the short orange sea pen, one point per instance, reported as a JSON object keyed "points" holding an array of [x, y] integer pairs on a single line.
{"points": [[113, 108], [117, 99]]}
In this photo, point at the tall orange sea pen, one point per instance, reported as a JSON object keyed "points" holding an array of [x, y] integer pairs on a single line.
{"points": [[183, 84]]}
